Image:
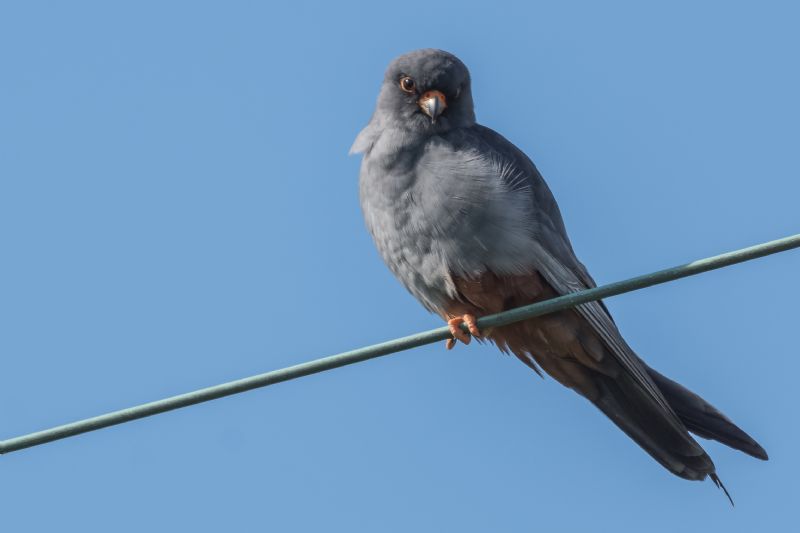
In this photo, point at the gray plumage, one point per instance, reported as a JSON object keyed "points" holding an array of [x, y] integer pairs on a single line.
{"points": [[462, 217]]}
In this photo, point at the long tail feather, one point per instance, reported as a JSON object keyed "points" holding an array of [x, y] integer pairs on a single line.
{"points": [[703, 419]]}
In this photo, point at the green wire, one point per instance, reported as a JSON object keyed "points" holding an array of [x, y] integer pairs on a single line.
{"points": [[392, 346]]}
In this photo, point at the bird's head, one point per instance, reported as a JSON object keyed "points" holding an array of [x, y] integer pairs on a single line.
{"points": [[427, 90]]}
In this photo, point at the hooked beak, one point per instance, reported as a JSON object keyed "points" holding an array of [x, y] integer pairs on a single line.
{"points": [[432, 104]]}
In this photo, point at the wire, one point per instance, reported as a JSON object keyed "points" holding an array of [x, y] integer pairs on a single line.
{"points": [[393, 346]]}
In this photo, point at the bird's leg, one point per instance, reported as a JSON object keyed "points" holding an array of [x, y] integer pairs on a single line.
{"points": [[455, 329]]}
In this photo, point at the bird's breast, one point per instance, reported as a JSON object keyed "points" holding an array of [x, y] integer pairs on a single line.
{"points": [[429, 227]]}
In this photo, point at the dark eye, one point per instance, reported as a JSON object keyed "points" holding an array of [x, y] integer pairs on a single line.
{"points": [[407, 84]]}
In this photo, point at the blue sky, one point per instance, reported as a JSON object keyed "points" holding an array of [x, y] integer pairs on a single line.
{"points": [[177, 209]]}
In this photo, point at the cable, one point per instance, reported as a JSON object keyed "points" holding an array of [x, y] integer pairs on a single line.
{"points": [[392, 346]]}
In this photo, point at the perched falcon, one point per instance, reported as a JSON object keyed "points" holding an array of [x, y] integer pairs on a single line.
{"points": [[465, 221]]}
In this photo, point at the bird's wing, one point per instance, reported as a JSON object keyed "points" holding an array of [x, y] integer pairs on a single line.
{"points": [[556, 262]]}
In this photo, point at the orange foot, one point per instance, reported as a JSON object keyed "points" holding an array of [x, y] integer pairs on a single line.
{"points": [[455, 329]]}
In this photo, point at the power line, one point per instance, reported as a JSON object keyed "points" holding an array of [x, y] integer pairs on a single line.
{"points": [[392, 346]]}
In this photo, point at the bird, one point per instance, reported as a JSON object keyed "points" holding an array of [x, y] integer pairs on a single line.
{"points": [[465, 221]]}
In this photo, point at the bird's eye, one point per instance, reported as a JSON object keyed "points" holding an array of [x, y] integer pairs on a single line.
{"points": [[407, 84]]}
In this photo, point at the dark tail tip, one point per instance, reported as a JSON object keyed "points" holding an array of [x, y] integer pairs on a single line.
{"points": [[718, 482], [758, 452], [705, 420]]}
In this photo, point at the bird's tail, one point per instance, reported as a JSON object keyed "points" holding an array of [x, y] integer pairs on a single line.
{"points": [[668, 444], [703, 419], [625, 403], [665, 443]]}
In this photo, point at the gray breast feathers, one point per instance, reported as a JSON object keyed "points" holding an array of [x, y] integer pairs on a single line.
{"points": [[459, 208]]}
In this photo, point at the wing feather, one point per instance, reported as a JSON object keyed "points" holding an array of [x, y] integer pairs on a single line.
{"points": [[555, 260]]}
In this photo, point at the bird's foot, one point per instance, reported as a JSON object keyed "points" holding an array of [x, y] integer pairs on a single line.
{"points": [[458, 334]]}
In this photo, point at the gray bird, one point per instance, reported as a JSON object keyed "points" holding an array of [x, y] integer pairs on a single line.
{"points": [[465, 221]]}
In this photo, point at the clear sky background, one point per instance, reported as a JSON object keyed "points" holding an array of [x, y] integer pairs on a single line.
{"points": [[178, 209]]}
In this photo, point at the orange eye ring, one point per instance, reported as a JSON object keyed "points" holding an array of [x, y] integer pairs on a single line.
{"points": [[407, 84]]}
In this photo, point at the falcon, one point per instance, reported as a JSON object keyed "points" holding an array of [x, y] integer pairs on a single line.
{"points": [[465, 221]]}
